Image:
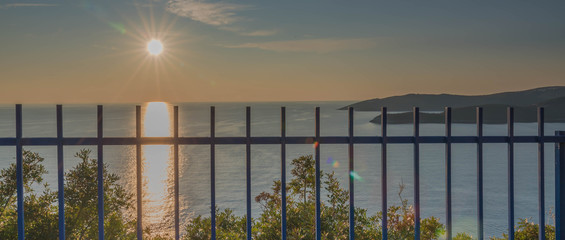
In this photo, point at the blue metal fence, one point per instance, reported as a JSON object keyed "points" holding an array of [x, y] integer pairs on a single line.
{"points": [[480, 139], [510, 139], [559, 187]]}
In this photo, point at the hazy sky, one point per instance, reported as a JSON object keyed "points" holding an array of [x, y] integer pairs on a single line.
{"points": [[54, 51]]}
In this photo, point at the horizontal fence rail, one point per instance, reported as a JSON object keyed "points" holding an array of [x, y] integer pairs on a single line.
{"points": [[416, 140], [274, 140]]}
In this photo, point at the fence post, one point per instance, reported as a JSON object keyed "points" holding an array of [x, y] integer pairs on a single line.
{"points": [[248, 169], [384, 207], [417, 220], [176, 169], [19, 173], [559, 185], [283, 173], [139, 225], [213, 172], [448, 217], [318, 176], [541, 174], [480, 216], [351, 179], [510, 122], [60, 173], [100, 172]]}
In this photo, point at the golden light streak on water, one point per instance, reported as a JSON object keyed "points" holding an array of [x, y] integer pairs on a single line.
{"points": [[157, 170], [157, 120]]}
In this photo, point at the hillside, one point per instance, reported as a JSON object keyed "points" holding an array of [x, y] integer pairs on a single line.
{"points": [[437, 102], [492, 114]]}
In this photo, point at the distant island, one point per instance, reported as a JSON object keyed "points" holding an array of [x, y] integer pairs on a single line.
{"points": [[494, 106]]}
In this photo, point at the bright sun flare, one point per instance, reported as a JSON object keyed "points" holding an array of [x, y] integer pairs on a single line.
{"points": [[155, 47]]}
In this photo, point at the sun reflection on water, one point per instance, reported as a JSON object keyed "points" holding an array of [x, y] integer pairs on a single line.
{"points": [[157, 120], [157, 169]]}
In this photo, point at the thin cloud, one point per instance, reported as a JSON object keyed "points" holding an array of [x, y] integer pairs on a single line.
{"points": [[261, 33], [324, 45], [217, 14], [15, 5]]}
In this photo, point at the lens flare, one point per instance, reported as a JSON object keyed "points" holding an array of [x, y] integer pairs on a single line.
{"points": [[335, 164], [118, 27], [332, 162], [355, 176]]}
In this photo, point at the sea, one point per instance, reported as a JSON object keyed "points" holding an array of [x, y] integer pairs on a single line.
{"points": [[194, 181]]}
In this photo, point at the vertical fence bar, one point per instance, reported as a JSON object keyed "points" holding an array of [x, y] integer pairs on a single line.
{"points": [[384, 204], [351, 179], [248, 167], [541, 174], [213, 171], [317, 153], [60, 173], [480, 173], [510, 113], [283, 173], [559, 186], [138, 171], [176, 169], [448, 214], [416, 173], [100, 176], [19, 172]]}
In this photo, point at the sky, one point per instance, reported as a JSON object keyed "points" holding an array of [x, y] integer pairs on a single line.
{"points": [[95, 51]]}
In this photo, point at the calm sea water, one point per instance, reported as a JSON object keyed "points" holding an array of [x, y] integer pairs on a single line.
{"points": [[119, 121]]}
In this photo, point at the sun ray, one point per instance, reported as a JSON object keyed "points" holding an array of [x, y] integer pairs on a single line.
{"points": [[153, 30], [167, 27], [167, 83], [130, 79], [157, 78], [156, 50], [144, 22]]}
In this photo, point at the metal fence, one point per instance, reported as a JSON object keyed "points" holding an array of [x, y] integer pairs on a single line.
{"points": [[100, 141]]}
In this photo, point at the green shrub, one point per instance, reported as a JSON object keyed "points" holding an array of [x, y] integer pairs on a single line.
{"points": [[81, 214], [527, 230], [81, 217], [301, 217]]}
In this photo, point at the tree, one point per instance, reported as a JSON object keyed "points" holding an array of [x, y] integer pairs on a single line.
{"points": [[334, 212], [81, 212], [228, 226], [81, 218], [528, 230], [40, 212], [301, 208]]}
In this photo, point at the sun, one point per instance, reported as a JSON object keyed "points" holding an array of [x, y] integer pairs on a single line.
{"points": [[155, 47], [154, 51]]}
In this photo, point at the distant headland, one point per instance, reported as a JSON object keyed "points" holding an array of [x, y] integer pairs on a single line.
{"points": [[463, 107]]}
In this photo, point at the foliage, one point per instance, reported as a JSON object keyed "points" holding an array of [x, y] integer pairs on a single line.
{"points": [[301, 218], [81, 211], [528, 230], [463, 236], [228, 226], [81, 214], [41, 215]]}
